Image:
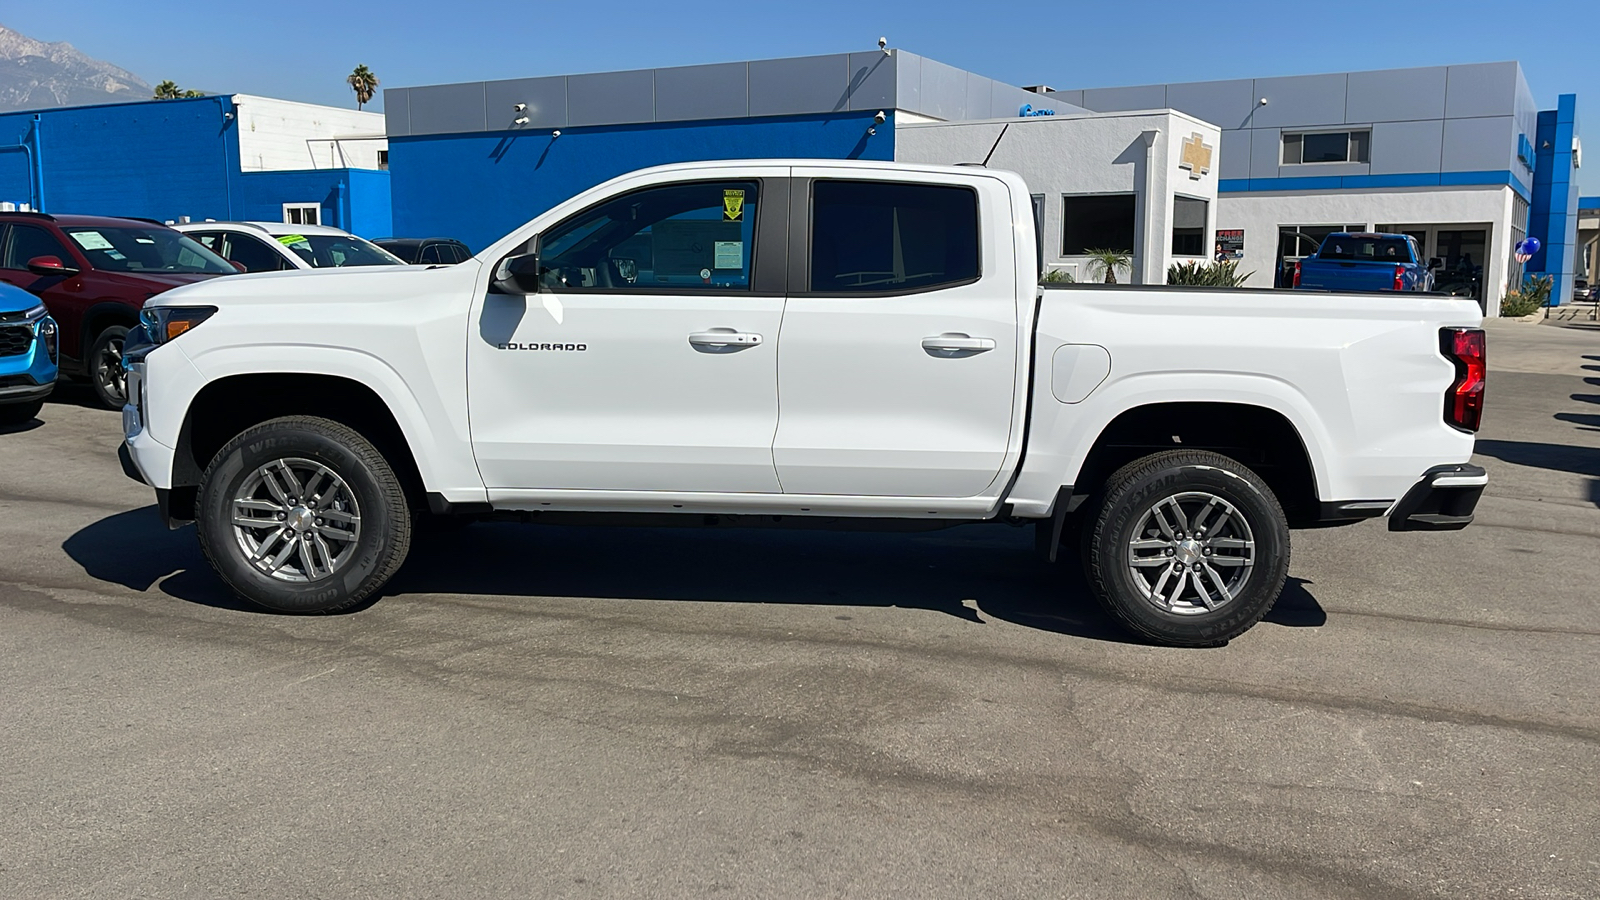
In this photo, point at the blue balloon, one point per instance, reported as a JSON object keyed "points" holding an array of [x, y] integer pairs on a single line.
{"points": [[1528, 245]]}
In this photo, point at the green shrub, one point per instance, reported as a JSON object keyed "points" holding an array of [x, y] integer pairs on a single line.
{"points": [[1058, 276], [1533, 296], [1221, 274]]}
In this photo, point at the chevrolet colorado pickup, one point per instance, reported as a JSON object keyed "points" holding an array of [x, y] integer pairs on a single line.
{"points": [[799, 342]]}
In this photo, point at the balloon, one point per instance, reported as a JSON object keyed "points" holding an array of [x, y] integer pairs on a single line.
{"points": [[1528, 245]]}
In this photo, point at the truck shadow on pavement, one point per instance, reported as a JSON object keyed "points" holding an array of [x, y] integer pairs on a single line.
{"points": [[971, 573]]}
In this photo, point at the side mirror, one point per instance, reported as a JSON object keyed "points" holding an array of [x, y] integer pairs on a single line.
{"points": [[1435, 262], [50, 265], [239, 265], [517, 274]]}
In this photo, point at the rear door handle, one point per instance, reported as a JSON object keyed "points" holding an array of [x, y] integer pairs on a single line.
{"points": [[952, 341], [724, 338]]}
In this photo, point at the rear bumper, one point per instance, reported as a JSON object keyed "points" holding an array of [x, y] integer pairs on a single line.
{"points": [[1444, 500]]}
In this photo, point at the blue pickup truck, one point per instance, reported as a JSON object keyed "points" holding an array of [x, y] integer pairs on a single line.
{"points": [[1365, 261]]}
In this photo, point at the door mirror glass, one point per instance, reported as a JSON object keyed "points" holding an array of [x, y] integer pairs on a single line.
{"points": [[50, 265], [517, 274], [1435, 263]]}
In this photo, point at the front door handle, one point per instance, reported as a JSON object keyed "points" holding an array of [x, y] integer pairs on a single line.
{"points": [[956, 342], [724, 339]]}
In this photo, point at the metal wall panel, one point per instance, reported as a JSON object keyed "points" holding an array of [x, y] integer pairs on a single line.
{"points": [[1235, 154], [702, 92], [978, 105], [1479, 145], [1396, 95], [1404, 148], [1300, 101], [1486, 89], [1226, 104], [546, 99], [1073, 97], [908, 81], [1266, 152], [611, 98], [397, 111], [1148, 96], [872, 81], [944, 91], [448, 108], [811, 84]]}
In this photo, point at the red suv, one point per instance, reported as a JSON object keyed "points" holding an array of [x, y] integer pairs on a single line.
{"points": [[94, 274]]}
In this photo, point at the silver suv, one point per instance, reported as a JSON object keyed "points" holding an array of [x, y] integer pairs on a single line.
{"points": [[276, 246]]}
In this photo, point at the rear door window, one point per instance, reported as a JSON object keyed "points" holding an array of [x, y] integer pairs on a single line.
{"points": [[889, 237], [253, 254], [29, 242]]}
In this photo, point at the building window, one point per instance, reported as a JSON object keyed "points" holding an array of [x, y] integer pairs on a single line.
{"points": [[383, 159], [1327, 147], [1188, 226], [892, 236], [1097, 222], [302, 213]]}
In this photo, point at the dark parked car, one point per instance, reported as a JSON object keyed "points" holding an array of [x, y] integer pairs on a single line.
{"points": [[94, 274], [427, 251]]}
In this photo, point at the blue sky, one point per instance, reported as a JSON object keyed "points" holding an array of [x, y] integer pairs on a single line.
{"points": [[302, 51]]}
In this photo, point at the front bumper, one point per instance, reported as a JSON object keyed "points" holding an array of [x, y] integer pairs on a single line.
{"points": [[31, 375], [1444, 500]]}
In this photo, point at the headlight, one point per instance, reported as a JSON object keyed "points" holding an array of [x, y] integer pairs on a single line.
{"points": [[164, 323], [46, 329]]}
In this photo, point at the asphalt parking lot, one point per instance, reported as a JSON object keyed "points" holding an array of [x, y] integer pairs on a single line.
{"points": [[535, 711]]}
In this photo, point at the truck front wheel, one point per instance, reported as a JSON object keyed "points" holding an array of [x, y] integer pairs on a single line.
{"points": [[303, 515], [1187, 548]]}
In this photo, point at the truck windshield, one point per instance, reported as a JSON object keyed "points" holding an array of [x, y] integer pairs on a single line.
{"points": [[153, 249], [325, 251], [1380, 249]]}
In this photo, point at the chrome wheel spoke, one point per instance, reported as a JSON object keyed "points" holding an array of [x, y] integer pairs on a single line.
{"points": [[1191, 553], [296, 520]]}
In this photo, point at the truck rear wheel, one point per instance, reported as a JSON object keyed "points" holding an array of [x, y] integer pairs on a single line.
{"points": [[303, 515], [1187, 548]]}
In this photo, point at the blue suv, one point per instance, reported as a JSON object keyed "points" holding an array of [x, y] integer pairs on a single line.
{"points": [[30, 347]]}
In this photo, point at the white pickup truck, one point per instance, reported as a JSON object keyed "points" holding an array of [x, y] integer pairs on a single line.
{"points": [[746, 343]]}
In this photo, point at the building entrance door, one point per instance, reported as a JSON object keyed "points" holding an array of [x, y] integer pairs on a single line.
{"points": [[1463, 255]]}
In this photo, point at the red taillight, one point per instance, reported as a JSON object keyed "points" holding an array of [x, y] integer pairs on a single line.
{"points": [[1463, 403], [1399, 278], [1297, 273]]}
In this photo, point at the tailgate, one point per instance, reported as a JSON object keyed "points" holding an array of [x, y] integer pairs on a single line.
{"points": [[1346, 275]]}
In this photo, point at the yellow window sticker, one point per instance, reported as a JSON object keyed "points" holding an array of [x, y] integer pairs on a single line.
{"points": [[289, 240], [732, 205]]}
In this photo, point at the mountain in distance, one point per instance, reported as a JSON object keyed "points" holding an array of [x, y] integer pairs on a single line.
{"points": [[36, 75]]}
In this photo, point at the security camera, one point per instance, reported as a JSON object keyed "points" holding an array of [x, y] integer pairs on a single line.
{"points": [[556, 133], [883, 44], [521, 107], [880, 117], [520, 120], [1263, 101]]}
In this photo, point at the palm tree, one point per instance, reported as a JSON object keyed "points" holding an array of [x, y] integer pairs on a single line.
{"points": [[1109, 261], [168, 90], [364, 83]]}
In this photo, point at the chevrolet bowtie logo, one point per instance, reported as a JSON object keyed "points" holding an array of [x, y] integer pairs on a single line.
{"points": [[1196, 156]]}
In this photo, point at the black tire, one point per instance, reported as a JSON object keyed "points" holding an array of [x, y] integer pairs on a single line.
{"points": [[17, 413], [1127, 513], [385, 519], [105, 367]]}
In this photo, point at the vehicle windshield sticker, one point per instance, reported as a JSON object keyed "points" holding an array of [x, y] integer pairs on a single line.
{"points": [[144, 240], [90, 240], [289, 240], [114, 253], [732, 205], [728, 254]]}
